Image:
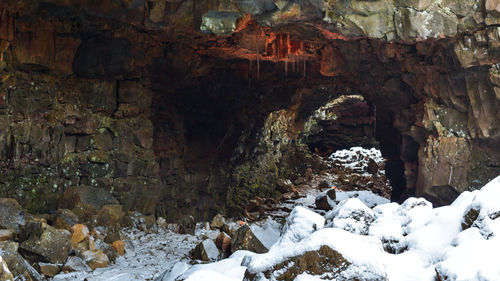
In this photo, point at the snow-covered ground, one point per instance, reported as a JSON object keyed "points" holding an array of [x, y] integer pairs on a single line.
{"points": [[411, 241], [147, 256]]}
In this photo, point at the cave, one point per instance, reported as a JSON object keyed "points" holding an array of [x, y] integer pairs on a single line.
{"points": [[193, 108], [148, 114]]}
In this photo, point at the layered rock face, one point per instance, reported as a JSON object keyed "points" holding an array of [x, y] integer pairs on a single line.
{"points": [[131, 97]]}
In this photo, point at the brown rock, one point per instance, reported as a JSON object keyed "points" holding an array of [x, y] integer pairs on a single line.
{"points": [[119, 246], [206, 251], [5, 274], [78, 233], [6, 234], [223, 242], [11, 214], [217, 222], [493, 5], [245, 239], [110, 215], [64, 219], [16, 263], [44, 243], [95, 259], [49, 269]]}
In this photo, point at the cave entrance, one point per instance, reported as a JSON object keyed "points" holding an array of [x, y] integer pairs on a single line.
{"points": [[354, 135]]}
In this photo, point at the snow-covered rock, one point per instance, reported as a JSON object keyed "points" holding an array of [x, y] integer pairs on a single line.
{"points": [[427, 244], [300, 224], [351, 215]]}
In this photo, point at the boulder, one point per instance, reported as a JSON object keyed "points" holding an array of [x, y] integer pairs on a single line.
{"points": [[6, 234], [78, 233], [119, 247], [17, 264], [326, 201], [86, 201], [255, 238], [44, 243], [5, 274], [49, 269], [300, 224], [206, 251], [64, 219], [351, 215], [110, 215], [324, 260], [217, 222], [75, 263], [11, 214], [95, 259], [223, 242]]}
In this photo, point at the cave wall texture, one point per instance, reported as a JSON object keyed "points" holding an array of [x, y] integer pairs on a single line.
{"points": [[131, 97]]}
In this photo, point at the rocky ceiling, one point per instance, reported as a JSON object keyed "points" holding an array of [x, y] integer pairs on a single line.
{"points": [[181, 101]]}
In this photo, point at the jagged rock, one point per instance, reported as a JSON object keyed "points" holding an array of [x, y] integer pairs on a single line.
{"points": [[206, 251], [95, 259], [220, 23], [6, 234], [326, 201], [119, 246], [79, 232], [75, 263], [49, 269], [44, 243], [313, 262], [64, 219], [16, 263], [86, 201], [11, 214], [110, 215], [223, 242], [257, 238], [5, 274], [217, 222]]}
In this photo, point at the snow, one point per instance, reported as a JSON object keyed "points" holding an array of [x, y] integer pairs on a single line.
{"points": [[357, 158], [408, 242], [351, 215], [300, 224], [267, 233], [147, 256], [431, 241]]}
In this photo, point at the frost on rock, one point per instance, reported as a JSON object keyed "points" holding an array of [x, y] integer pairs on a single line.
{"points": [[351, 215]]}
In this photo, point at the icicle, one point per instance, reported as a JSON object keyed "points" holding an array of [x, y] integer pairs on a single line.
{"points": [[304, 77], [286, 68], [249, 72], [258, 67]]}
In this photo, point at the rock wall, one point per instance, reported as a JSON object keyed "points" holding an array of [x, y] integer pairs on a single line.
{"points": [[129, 96]]}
